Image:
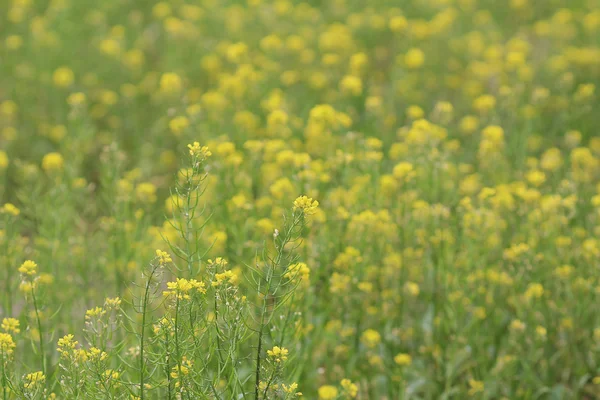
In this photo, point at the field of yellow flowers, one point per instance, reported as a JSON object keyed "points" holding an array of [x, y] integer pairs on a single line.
{"points": [[268, 199]]}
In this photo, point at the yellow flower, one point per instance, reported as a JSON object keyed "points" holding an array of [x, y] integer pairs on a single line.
{"points": [[199, 151], [179, 124], [63, 77], [28, 268], [181, 287], [475, 387], [414, 58], [146, 192], [404, 171], [10, 209], [7, 344], [327, 392], [10, 325], [534, 290], [66, 344], [398, 23], [350, 389], [403, 359], [351, 84], [34, 379], [163, 257], [52, 162], [3, 160], [291, 389], [370, 338], [227, 276], [170, 83], [111, 374], [112, 303], [412, 288], [541, 332], [95, 312], [306, 204], [298, 271], [278, 354], [517, 325]]}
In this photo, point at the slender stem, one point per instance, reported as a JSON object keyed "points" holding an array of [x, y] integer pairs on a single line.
{"points": [[218, 331], [4, 383], [142, 335], [258, 350], [39, 324], [177, 352]]}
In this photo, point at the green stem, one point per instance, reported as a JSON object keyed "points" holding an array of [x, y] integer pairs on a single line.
{"points": [[39, 324], [168, 366], [142, 334], [177, 352], [4, 383]]}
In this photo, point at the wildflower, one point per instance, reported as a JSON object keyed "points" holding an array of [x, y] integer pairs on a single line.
{"points": [[199, 151], [170, 83], [351, 84], [52, 162], [517, 325], [404, 171], [66, 344], [278, 354], [307, 205], [95, 354], [370, 338], [34, 379], [163, 257], [112, 303], [412, 288], [178, 125], [403, 359], [227, 276], [298, 271], [534, 290], [3, 160], [475, 387], [146, 192], [28, 268], [76, 99], [327, 392], [95, 312], [350, 389], [111, 374], [181, 288], [7, 344], [63, 77], [184, 368], [9, 209], [10, 325], [414, 58], [541, 332], [291, 389], [398, 23]]}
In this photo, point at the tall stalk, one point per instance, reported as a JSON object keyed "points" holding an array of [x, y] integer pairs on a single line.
{"points": [[41, 332], [145, 302]]}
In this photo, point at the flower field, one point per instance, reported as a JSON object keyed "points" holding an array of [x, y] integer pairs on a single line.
{"points": [[273, 199]]}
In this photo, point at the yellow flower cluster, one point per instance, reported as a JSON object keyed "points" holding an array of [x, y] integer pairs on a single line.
{"points": [[306, 205], [278, 354], [28, 268], [180, 288]]}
